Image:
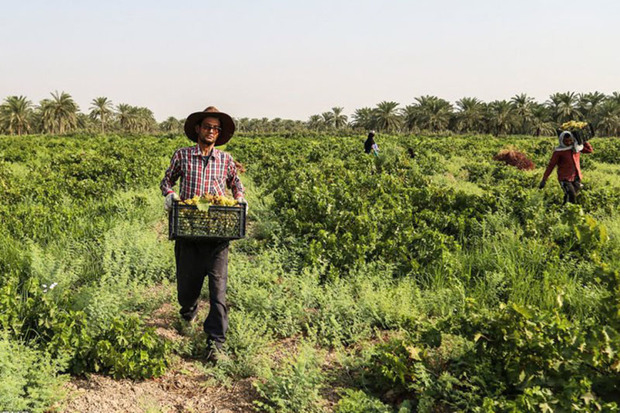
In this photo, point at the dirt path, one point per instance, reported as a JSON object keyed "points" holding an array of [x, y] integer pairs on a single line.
{"points": [[186, 386], [183, 389]]}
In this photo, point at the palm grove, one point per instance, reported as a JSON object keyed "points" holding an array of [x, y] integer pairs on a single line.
{"points": [[427, 114]]}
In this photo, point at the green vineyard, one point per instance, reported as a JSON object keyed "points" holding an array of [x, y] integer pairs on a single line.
{"points": [[430, 278]]}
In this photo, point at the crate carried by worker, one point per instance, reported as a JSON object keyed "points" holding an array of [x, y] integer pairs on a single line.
{"points": [[209, 217]]}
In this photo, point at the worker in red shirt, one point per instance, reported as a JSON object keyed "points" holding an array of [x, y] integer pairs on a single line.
{"points": [[566, 158]]}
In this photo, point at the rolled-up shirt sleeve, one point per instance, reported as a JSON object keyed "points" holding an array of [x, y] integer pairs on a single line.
{"points": [[233, 181], [172, 175]]}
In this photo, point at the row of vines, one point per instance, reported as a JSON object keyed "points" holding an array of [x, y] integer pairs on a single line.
{"points": [[520, 304], [436, 278]]}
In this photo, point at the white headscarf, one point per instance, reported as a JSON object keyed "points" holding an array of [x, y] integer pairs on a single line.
{"points": [[576, 147]]}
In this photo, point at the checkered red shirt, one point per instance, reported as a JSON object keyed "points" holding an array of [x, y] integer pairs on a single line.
{"points": [[199, 174]]}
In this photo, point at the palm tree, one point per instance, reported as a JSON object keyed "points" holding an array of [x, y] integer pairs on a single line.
{"points": [[541, 121], [609, 118], [363, 118], [340, 120], [85, 123], [101, 108], [411, 117], [59, 113], [386, 117], [127, 117], [470, 115], [43, 116], [275, 125], [242, 124], [564, 107], [145, 120], [255, 125], [328, 119], [434, 113], [173, 125], [589, 105], [314, 122], [522, 109], [294, 125], [501, 117], [263, 124], [615, 96], [15, 114]]}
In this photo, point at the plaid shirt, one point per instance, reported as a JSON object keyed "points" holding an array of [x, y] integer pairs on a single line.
{"points": [[199, 174]]}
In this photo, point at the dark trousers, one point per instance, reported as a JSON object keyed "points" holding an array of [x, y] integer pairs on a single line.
{"points": [[195, 261], [571, 190]]}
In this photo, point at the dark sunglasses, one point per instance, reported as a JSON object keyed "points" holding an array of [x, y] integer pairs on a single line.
{"points": [[210, 127]]}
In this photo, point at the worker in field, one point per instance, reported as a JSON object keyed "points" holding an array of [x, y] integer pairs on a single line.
{"points": [[566, 158], [370, 145], [204, 169]]}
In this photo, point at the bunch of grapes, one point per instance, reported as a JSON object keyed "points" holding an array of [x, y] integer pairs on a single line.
{"points": [[574, 125], [211, 200], [214, 223]]}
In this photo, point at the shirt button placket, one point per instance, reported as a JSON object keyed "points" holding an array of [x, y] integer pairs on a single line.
{"points": [[205, 165]]}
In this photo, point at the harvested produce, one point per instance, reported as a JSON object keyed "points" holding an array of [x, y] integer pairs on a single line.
{"points": [[208, 216]]}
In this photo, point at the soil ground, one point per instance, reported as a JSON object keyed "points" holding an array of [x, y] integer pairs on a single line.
{"points": [[184, 388]]}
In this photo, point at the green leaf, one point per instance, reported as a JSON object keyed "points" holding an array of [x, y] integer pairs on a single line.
{"points": [[522, 310], [203, 205], [544, 407]]}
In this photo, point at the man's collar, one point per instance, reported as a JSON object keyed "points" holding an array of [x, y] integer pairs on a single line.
{"points": [[196, 151]]}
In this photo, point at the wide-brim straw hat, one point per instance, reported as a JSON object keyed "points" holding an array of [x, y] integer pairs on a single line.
{"points": [[226, 123]]}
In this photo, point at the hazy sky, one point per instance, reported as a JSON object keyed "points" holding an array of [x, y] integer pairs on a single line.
{"points": [[292, 59]]}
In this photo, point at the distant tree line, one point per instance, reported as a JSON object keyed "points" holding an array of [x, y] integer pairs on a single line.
{"points": [[519, 115], [428, 114], [61, 115]]}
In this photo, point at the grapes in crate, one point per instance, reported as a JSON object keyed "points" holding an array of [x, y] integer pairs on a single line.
{"points": [[209, 216]]}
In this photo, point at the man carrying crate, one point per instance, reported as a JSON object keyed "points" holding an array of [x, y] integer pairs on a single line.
{"points": [[566, 157], [203, 169]]}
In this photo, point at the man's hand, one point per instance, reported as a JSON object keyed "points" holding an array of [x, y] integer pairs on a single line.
{"points": [[169, 198], [244, 203], [542, 184]]}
